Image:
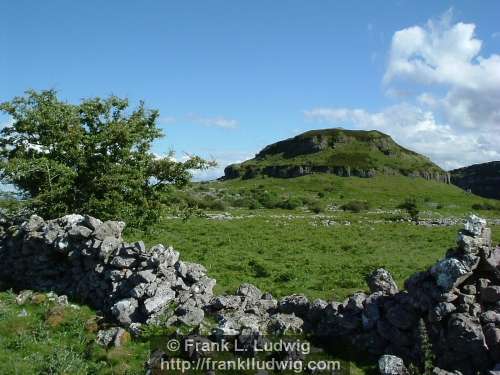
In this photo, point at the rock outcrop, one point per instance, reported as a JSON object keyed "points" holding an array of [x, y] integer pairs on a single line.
{"points": [[340, 152], [454, 305], [480, 179]]}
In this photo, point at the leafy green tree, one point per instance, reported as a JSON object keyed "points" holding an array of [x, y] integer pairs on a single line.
{"points": [[93, 157]]}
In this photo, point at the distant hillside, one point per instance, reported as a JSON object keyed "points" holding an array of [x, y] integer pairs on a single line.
{"points": [[481, 179], [340, 152]]}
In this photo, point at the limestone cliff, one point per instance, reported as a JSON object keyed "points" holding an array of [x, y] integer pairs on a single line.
{"points": [[480, 179]]}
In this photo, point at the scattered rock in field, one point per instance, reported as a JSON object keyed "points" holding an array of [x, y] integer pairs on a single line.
{"points": [[115, 336], [23, 297], [23, 313], [55, 316]]}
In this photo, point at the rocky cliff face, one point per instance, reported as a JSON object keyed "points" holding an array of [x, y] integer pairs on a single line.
{"points": [[480, 179], [340, 152], [456, 301]]}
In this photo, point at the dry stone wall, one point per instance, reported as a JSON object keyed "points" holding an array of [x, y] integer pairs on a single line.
{"points": [[456, 302], [88, 260]]}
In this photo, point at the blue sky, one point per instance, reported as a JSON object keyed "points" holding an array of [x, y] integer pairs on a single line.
{"points": [[230, 77]]}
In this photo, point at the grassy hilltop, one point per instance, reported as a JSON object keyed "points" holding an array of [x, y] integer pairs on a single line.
{"points": [[337, 151]]}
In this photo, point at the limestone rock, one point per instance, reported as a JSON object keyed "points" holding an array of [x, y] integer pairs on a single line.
{"points": [[381, 281], [391, 365], [124, 310], [297, 304]]}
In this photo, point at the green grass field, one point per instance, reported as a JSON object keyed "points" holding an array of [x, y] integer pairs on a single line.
{"points": [[284, 254], [325, 254]]}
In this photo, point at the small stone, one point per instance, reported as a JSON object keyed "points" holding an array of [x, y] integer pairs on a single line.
{"points": [[23, 297], [55, 316], [62, 300], [38, 298], [391, 365], [23, 313], [135, 329]]}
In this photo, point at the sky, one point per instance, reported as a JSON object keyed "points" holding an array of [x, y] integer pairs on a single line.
{"points": [[230, 77]]}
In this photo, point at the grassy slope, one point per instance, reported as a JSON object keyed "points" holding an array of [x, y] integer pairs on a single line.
{"points": [[356, 149], [385, 192], [355, 155], [35, 344]]}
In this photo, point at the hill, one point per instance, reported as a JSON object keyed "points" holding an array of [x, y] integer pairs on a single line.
{"points": [[340, 152], [481, 179]]}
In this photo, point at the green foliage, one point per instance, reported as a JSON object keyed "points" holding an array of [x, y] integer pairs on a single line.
{"points": [[486, 206], [316, 206], [258, 269], [427, 356], [94, 157], [410, 205], [347, 151], [292, 203], [356, 206]]}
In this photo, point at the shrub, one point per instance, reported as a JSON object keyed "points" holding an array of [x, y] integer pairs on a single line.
{"points": [[218, 205], [411, 207], [258, 269], [292, 203], [317, 207], [356, 206], [486, 206], [267, 199]]}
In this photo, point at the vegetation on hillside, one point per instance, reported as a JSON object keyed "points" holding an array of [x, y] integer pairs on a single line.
{"points": [[352, 152]]}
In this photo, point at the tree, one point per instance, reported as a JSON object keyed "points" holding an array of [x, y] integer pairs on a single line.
{"points": [[94, 157]]}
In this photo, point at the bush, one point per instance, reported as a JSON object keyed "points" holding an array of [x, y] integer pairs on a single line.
{"points": [[218, 205], [411, 207], [258, 269], [267, 199], [356, 206], [292, 203], [485, 206], [317, 207]]}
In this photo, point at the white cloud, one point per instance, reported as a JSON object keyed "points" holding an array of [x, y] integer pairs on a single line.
{"points": [[218, 121], [441, 54], [223, 159], [449, 95], [416, 129]]}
